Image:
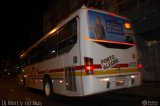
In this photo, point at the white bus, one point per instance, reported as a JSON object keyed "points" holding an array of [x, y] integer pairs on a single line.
{"points": [[90, 52]]}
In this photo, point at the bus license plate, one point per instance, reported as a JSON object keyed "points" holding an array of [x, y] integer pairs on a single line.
{"points": [[119, 83]]}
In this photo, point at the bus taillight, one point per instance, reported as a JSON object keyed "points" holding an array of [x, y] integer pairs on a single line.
{"points": [[88, 62], [89, 70], [139, 66]]}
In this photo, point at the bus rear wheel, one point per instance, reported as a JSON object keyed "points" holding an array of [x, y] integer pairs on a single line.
{"points": [[48, 88]]}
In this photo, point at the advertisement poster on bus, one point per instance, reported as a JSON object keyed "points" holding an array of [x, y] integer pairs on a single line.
{"points": [[106, 27]]}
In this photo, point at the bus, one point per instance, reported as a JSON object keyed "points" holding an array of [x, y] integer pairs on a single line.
{"points": [[90, 52]]}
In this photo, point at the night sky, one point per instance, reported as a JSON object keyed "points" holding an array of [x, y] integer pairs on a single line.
{"points": [[16, 20]]}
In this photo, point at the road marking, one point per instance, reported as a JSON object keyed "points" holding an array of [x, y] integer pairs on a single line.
{"points": [[11, 90]]}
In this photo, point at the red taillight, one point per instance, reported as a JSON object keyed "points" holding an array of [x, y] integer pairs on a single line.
{"points": [[139, 66], [88, 62], [89, 70]]}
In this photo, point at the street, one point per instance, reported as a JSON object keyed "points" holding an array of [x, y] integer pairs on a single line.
{"points": [[12, 94]]}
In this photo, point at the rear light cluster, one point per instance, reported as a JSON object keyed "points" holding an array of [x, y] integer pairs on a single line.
{"points": [[89, 68], [139, 66]]}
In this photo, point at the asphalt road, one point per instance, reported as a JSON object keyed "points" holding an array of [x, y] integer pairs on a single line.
{"points": [[12, 94]]}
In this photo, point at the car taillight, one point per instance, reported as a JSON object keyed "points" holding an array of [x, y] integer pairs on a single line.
{"points": [[89, 68], [139, 66]]}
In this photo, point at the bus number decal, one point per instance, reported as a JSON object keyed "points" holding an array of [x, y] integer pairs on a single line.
{"points": [[109, 62]]}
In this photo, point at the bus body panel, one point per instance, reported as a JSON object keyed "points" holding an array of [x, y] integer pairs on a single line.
{"points": [[105, 73], [97, 82], [114, 68], [95, 85]]}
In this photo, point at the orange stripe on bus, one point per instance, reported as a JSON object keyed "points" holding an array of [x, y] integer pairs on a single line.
{"points": [[97, 72], [76, 68]]}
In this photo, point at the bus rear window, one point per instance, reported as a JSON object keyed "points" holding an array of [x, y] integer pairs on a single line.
{"points": [[110, 29]]}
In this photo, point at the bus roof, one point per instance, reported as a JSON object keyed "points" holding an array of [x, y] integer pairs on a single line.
{"points": [[61, 23]]}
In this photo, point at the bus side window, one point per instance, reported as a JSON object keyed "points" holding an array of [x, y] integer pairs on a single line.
{"points": [[32, 55], [40, 52], [67, 37], [25, 61], [51, 47]]}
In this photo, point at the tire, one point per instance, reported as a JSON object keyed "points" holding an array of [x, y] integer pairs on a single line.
{"points": [[48, 88]]}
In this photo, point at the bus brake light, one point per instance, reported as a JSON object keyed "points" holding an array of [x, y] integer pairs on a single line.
{"points": [[139, 66], [89, 70], [88, 62]]}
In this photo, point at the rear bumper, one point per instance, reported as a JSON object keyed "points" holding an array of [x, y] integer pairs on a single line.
{"points": [[102, 83]]}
